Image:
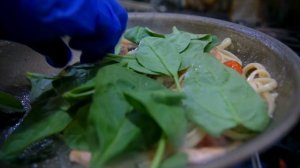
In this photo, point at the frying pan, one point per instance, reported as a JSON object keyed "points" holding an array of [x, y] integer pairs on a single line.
{"points": [[248, 44]]}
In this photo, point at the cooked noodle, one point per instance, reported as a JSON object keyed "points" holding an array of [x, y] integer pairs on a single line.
{"points": [[224, 55]]}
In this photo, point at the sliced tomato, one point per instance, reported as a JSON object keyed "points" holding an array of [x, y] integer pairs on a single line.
{"points": [[234, 65]]}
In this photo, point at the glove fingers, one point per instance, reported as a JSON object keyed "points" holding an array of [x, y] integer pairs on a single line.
{"points": [[120, 13], [93, 48], [89, 57], [109, 29], [56, 52]]}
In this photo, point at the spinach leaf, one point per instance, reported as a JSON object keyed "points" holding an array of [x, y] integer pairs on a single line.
{"points": [[159, 55], [224, 99], [180, 40], [125, 134], [82, 92], [136, 34], [47, 117], [213, 41], [195, 49], [75, 135], [112, 74], [159, 153], [240, 133], [131, 62], [74, 76], [175, 30], [106, 119], [148, 137], [178, 160], [9, 104], [40, 83], [118, 47], [110, 130], [164, 106], [192, 36]]}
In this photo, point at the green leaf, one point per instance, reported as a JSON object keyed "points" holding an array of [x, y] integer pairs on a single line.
{"points": [[74, 76], [110, 131], [159, 55], [203, 37], [148, 137], [175, 30], [75, 135], [9, 104], [118, 47], [180, 40], [223, 98], [191, 35], [178, 160], [82, 92], [136, 34], [40, 83], [240, 133], [195, 49], [47, 117], [112, 74], [164, 106], [161, 147], [214, 41], [106, 117], [125, 134], [131, 62]]}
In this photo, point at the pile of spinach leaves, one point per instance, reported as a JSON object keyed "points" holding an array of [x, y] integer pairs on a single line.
{"points": [[116, 106]]}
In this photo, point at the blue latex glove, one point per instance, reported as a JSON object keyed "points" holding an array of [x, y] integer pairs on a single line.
{"points": [[94, 26]]}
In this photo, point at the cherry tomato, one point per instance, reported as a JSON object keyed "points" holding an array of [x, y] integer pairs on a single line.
{"points": [[234, 65]]}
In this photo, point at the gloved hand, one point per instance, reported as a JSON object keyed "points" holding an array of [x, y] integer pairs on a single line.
{"points": [[94, 26]]}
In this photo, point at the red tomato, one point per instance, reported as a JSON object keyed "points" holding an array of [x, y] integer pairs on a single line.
{"points": [[234, 65]]}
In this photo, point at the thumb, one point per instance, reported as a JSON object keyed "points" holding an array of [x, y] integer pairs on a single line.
{"points": [[56, 52]]}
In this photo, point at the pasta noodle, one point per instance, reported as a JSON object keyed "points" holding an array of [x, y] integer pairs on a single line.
{"points": [[224, 55]]}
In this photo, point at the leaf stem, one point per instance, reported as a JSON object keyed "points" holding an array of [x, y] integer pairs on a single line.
{"points": [[159, 153], [177, 83], [79, 95], [119, 56]]}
